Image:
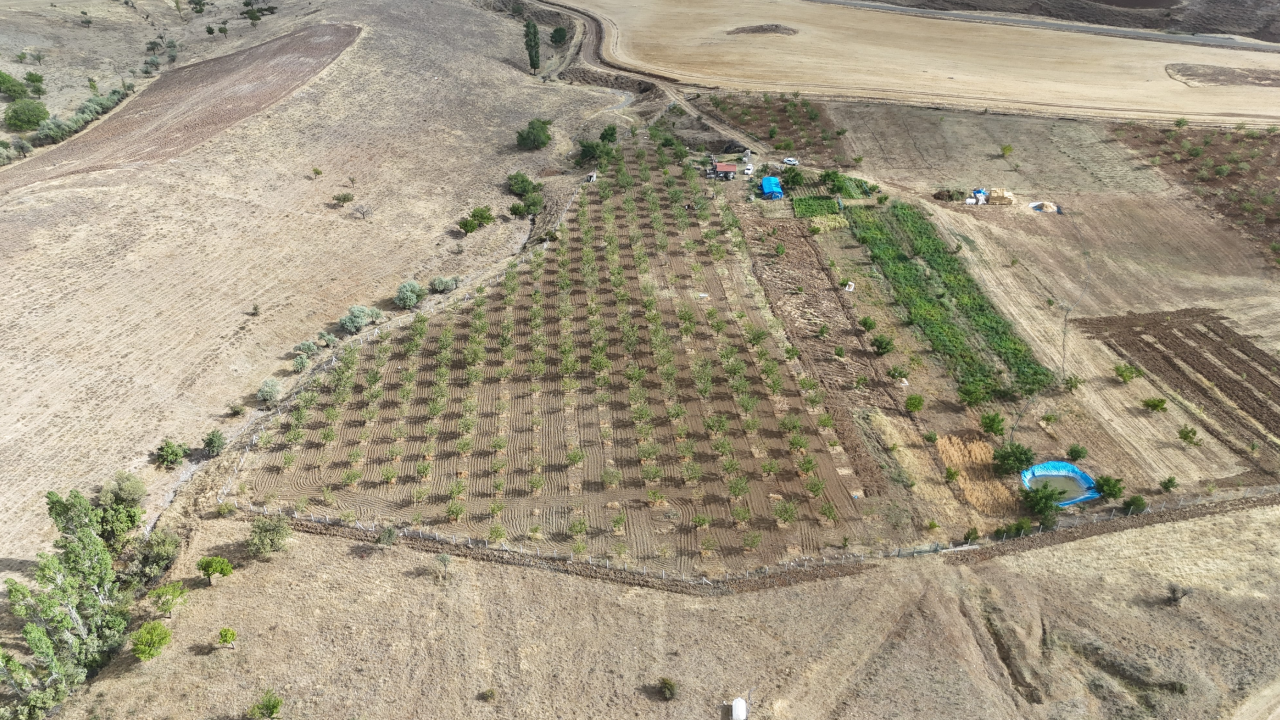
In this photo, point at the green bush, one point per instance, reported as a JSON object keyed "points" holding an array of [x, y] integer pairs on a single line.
{"points": [[1169, 484], [992, 423], [214, 443], [267, 707], [11, 86], [213, 565], [1109, 487], [1155, 404], [914, 403], [270, 390], [534, 137], [667, 688], [1043, 502], [520, 185], [609, 134], [1135, 504], [882, 344], [1127, 372], [25, 114], [468, 225], [814, 206], [559, 36], [150, 639], [791, 177], [1012, 458], [1076, 453], [171, 453]]}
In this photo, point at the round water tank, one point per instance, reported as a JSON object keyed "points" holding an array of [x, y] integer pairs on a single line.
{"points": [[739, 709]]}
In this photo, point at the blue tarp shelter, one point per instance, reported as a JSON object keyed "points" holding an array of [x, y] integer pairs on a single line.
{"points": [[771, 188], [1063, 469]]}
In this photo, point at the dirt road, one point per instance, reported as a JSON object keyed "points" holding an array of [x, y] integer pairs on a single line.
{"points": [[890, 56]]}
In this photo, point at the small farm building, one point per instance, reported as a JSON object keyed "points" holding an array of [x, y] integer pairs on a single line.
{"points": [[771, 187], [726, 171]]}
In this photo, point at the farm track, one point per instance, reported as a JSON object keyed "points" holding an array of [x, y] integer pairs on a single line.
{"points": [[173, 114], [1209, 365]]}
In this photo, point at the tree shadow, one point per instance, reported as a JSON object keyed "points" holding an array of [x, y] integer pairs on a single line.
{"points": [[20, 566]]}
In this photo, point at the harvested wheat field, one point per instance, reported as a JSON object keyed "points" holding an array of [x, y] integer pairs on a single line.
{"points": [[862, 53], [138, 281]]}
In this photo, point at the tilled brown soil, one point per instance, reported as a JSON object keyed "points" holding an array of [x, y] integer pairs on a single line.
{"points": [[187, 106], [810, 571], [1206, 363]]}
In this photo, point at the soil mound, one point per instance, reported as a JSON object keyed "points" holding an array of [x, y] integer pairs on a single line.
{"points": [[769, 29], [1201, 75]]}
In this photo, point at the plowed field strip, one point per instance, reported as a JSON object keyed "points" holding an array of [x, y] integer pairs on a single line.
{"points": [[1229, 384], [191, 104]]}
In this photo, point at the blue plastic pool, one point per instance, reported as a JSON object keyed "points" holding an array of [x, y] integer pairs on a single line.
{"points": [[1063, 475]]}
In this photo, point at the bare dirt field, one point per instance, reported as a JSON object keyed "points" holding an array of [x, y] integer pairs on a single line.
{"points": [[1078, 630], [136, 283], [859, 53]]}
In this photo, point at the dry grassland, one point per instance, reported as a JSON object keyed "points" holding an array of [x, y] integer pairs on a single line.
{"points": [[860, 53], [135, 283], [1082, 627]]}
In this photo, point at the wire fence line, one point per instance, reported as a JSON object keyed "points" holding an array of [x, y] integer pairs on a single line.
{"points": [[797, 568]]}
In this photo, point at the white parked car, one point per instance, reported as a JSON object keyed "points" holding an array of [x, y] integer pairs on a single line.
{"points": [[790, 161], [748, 169]]}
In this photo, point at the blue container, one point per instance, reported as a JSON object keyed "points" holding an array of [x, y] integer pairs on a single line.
{"points": [[1058, 473]]}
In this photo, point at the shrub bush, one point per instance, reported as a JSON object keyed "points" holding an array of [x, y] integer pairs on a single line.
{"points": [[534, 137], [409, 293], [267, 707], [882, 344], [1012, 458], [270, 390], [1043, 502], [357, 317], [1155, 404], [1076, 453], [1135, 504], [150, 639], [667, 688], [267, 535], [213, 565], [214, 443], [171, 453], [915, 403], [1109, 487], [992, 423], [25, 114], [559, 36]]}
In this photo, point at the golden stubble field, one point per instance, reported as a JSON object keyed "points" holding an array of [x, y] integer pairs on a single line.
{"points": [[374, 633], [135, 284], [868, 54]]}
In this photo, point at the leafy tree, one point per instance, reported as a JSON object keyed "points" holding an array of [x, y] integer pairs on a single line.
{"points": [[468, 225], [227, 636], [914, 403], [1012, 458], [342, 199], [1109, 487], [211, 565], [171, 453], [534, 137], [1043, 501], [593, 151], [267, 535], [409, 293], [786, 511], [792, 177], [532, 45], [1076, 453], [1169, 484], [150, 639], [270, 390], [169, 596], [609, 134], [882, 344], [25, 114], [520, 185], [11, 86], [482, 215], [214, 443], [559, 36], [268, 706]]}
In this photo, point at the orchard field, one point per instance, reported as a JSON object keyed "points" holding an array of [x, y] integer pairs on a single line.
{"points": [[621, 391]]}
